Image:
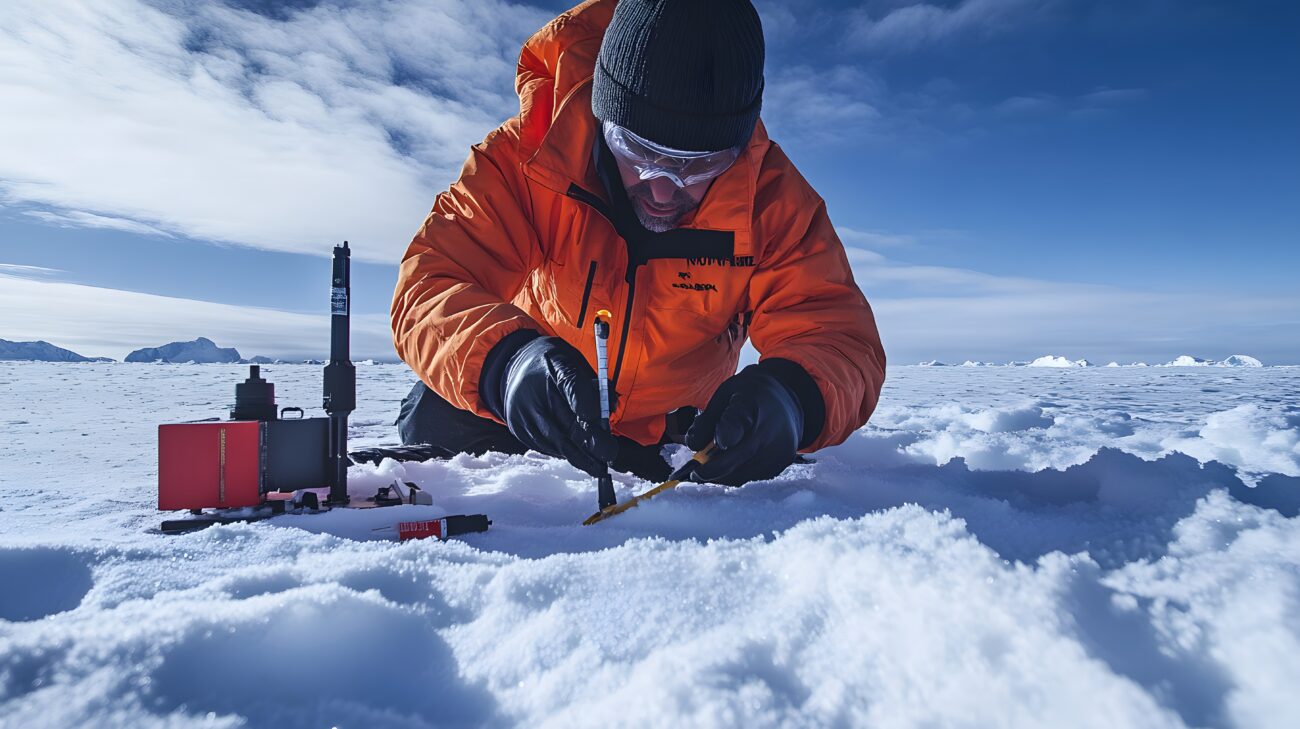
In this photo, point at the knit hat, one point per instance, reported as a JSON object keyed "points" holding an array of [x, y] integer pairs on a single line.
{"points": [[686, 74]]}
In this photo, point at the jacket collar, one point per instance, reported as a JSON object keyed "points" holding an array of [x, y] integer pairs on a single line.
{"points": [[564, 158]]}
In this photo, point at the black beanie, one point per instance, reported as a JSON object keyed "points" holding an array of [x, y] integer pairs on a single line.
{"points": [[686, 74]]}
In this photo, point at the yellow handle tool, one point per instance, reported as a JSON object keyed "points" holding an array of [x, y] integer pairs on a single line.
{"points": [[701, 457]]}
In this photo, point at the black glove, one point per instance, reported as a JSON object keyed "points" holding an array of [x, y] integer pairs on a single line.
{"points": [[759, 418], [548, 396]]}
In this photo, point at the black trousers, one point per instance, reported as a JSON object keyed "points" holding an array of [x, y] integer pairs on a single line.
{"points": [[427, 419]]}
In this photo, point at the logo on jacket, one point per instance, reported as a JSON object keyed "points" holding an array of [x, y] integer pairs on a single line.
{"points": [[737, 261]]}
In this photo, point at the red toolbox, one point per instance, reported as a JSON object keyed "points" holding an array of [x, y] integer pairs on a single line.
{"points": [[209, 464]]}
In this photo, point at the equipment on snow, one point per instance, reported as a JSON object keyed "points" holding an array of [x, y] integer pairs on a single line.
{"points": [[440, 529], [680, 475], [340, 392], [260, 463], [604, 482]]}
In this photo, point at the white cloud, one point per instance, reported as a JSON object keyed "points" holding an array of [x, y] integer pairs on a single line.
{"points": [[341, 121], [818, 105], [102, 322], [1108, 96], [928, 312], [873, 239], [916, 25], [80, 219], [17, 269]]}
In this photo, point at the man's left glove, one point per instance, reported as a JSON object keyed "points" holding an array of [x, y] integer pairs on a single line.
{"points": [[759, 419]]}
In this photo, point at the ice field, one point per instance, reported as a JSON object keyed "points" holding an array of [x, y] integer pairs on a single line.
{"points": [[1001, 546]]}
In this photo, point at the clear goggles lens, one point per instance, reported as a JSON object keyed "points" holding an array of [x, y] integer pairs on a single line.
{"points": [[652, 160]]}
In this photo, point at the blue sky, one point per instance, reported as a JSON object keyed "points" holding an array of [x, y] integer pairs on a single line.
{"points": [[1099, 179]]}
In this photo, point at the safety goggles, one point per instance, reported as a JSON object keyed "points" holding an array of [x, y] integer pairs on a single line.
{"points": [[652, 160]]}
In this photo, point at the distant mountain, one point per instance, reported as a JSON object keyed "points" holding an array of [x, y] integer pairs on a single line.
{"points": [[201, 351], [42, 352], [258, 360]]}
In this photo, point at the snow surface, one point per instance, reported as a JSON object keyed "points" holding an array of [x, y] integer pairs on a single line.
{"points": [[1103, 547]]}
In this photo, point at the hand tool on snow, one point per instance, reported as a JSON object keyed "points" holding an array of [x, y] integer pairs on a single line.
{"points": [[605, 482], [440, 529], [673, 481]]}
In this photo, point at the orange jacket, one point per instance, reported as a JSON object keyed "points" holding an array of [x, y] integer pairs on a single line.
{"points": [[517, 243]]}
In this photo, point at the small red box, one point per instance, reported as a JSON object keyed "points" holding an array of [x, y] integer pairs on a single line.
{"points": [[209, 465]]}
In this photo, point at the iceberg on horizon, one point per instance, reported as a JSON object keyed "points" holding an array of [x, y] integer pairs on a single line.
{"points": [[199, 351], [1187, 360], [1055, 361]]}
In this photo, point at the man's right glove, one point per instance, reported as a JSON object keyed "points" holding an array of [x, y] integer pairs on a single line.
{"points": [[548, 396], [759, 419]]}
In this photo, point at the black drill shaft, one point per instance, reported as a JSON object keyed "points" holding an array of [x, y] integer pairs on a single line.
{"points": [[340, 375]]}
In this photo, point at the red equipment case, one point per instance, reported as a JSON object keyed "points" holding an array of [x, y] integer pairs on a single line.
{"points": [[209, 464]]}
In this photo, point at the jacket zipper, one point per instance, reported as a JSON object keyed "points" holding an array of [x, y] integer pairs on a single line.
{"points": [[586, 294], [627, 321], [597, 204]]}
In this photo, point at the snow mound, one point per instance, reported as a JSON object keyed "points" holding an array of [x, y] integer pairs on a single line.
{"points": [[1054, 361], [932, 363], [972, 363], [1186, 360], [1236, 360], [1256, 440], [1241, 360]]}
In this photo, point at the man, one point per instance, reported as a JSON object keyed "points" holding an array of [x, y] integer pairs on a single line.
{"points": [[637, 178]]}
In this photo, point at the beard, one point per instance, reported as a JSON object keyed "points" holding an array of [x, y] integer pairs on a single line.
{"points": [[682, 204]]}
